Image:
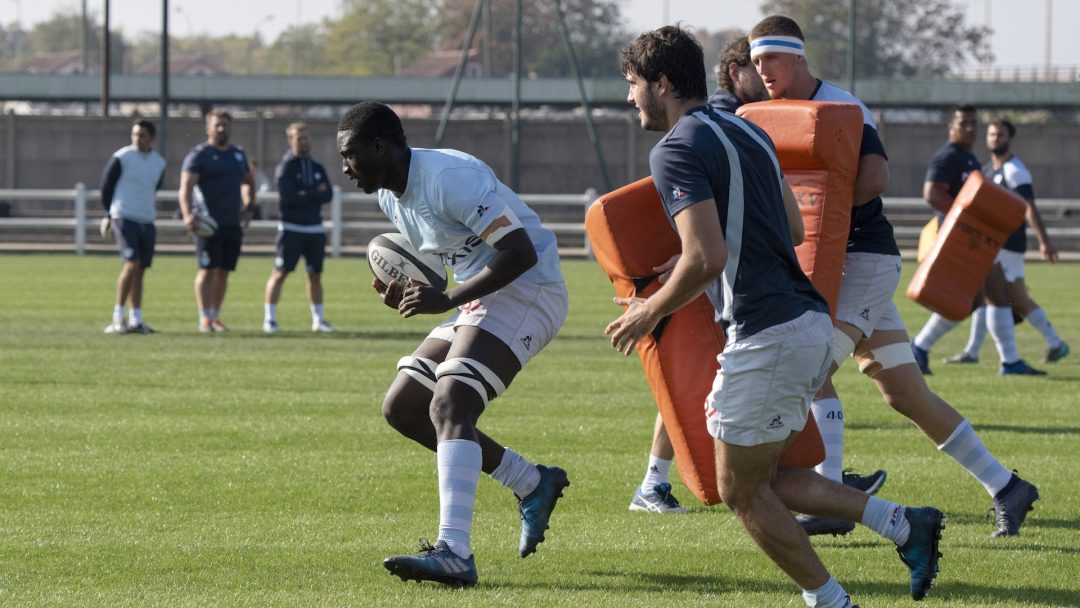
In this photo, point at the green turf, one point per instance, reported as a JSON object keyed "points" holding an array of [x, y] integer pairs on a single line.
{"points": [[247, 470]]}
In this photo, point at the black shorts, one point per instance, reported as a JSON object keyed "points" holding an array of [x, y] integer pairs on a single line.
{"points": [[291, 245], [221, 250], [135, 241]]}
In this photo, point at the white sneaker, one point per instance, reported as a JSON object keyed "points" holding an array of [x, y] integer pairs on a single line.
{"points": [[321, 326], [116, 327], [270, 326]]}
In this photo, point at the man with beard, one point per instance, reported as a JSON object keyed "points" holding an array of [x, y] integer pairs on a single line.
{"points": [[949, 169], [221, 175], [1007, 170]]}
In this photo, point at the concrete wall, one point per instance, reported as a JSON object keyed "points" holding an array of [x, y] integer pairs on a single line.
{"points": [[556, 155]]}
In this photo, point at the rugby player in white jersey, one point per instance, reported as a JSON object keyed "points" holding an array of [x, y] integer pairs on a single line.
{"points": [[868, 325], [721, 186], [510, 301]]}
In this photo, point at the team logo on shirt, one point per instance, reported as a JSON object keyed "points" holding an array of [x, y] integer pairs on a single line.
{"points": [[776, 423], [239, 157], [678, 193], [527, 341], [481, 209]]}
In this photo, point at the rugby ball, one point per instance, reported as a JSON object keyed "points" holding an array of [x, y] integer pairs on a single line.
{"points": [[391, 257], [205, 226]]}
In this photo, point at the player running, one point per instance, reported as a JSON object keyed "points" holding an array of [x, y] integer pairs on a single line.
{"points": [[721, 186], [868, 325], [511, 300]]}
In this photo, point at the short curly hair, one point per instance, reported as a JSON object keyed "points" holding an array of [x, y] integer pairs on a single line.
{"points": [[670, 51], [738, 52], [371, 119]]}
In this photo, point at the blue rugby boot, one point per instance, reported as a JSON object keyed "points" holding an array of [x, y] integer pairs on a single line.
{"points": [[1057, 353], [920, 553], [658, 500], [1019, 368], [867, 484], [1011, 506], [434, 563], [536, 508]]}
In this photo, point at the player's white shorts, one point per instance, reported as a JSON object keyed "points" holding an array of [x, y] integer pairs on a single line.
{"points": [[524, 315], [866, 292], [1012, 262], [763, 390]]}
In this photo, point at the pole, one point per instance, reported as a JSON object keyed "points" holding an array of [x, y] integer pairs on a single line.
{"points": [[459, 71], [1047, 38], [851, 47], [80, 218], [163, 98], [589, 125], [515, 110], [106, 66]]}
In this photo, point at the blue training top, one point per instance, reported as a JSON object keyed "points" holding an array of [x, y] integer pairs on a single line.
{"points": [[221, 173], [304, 188], [711, 154]]}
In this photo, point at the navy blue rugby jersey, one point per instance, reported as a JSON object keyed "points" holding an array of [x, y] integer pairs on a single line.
{"points": [[1015, 176], [952, 165], [870, 230], [221, 173], [711, 154]]}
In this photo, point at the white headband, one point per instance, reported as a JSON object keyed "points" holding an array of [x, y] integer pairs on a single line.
{"points": [[777, 44]]}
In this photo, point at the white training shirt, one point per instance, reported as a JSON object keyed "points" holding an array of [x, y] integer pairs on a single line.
{"points": [[450, 199], [136, 189]]}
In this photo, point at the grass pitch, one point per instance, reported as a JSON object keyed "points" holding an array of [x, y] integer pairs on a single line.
{"points": [[182, 469]]}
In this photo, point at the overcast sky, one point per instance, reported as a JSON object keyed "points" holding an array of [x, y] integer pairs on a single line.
{"points": [[1019, 39]]}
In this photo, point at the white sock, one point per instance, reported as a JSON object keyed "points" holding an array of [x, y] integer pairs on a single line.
{"points": [[829, 595], [999, 320], [965, 447], [887, 519], [317, 312], [936, 327], [978, 332], [270, 312], [829, 415], [118, 313], [1039, 321], [459, 471], [656, 474], [135, 316], [516, 473]]}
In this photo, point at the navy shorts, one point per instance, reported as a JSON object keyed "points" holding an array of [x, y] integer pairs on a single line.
{"points": [[291, 245], [135, 240], [221, 250]]}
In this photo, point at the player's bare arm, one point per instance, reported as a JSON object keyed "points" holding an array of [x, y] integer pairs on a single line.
{"points": [[794, 217], [1034, 218], [872, 179], [514, 254], [247, 194], [937, 195], [188, 180], [704, 255]]}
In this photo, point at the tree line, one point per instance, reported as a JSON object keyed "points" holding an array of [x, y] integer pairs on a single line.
{"points": [[894, 39]]}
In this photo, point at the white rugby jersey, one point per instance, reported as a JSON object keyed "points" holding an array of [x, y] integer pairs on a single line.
{"points": [[450, 199], [135, 190]]}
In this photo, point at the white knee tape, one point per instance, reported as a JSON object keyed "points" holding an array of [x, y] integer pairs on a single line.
{"points": [[842, 347], [420, 369], [885, 357], [473, 373]]}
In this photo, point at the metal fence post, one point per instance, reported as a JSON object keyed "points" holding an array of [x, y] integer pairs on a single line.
{"points": [[590, 195], [80, 218], [335, 221]]}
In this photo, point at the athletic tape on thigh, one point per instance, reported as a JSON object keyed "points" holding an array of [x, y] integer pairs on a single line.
{"points": [[885, 357], [420, 369], [473, 373], [842, 347]]}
